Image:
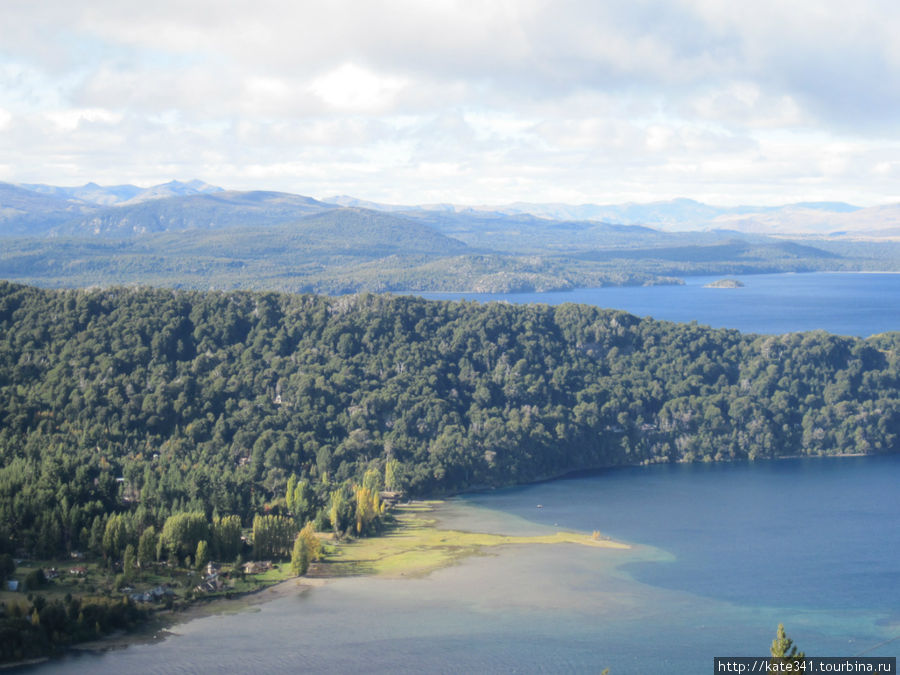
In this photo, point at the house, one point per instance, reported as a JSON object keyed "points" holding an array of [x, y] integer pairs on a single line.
{"points": [[257, 567], [153, 595], [390, 497], [78, 571], [210, 584], [160, 592]]}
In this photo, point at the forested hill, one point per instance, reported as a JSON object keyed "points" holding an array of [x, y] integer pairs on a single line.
{"points": [[158, 401]]}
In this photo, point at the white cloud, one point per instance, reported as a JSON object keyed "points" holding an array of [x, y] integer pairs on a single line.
{"points": [[355, 89], [458, 100], [70, 119]]}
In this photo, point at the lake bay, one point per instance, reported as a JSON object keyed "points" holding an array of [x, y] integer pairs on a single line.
{"points": [[722, 554], [838, 302]]}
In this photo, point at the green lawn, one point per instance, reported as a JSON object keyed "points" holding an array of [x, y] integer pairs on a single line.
{"points": [[413, 546]]}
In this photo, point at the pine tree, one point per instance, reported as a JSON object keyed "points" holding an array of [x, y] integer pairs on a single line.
{"points": [[783, 648]]}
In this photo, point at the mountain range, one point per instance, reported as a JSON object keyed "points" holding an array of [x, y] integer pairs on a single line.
{"points": [[36, 209], [833, 219], [198, 235]]}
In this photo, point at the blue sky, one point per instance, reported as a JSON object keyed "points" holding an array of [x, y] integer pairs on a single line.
{"points": [[467, 102]]}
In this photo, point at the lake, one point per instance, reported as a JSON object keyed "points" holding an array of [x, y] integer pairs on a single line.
{"points": [[842, 303], [722, 554]]}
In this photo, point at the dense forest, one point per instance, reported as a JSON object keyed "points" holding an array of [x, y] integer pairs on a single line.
{"points": [[133, 406]]}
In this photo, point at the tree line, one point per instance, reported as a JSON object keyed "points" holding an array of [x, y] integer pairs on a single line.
{"points": [[123, 408]]}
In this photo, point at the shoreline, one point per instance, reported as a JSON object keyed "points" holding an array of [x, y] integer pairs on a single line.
{"points": [[158, 626], [412, 547], [571, 473]]}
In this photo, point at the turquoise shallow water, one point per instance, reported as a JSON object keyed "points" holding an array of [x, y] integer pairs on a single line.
{"points": [[822, 532], [722, 555]]}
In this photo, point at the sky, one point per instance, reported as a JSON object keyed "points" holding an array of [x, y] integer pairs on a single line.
{"points": [[481, 102]]}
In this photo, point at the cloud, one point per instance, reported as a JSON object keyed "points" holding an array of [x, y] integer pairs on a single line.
{"points": [[356, 89], [459, 100]]}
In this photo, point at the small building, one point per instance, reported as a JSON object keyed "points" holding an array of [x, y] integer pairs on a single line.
{"points": [[257, 567], [78, 571], [390, 497], [12, 585], [210, 584]]}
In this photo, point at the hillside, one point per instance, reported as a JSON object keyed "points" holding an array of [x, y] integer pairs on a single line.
{"points": [[195, 211], [150, 402], [28, 213]]}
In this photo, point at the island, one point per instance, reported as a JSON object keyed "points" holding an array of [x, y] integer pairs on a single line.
{"points": [[725, 283]]}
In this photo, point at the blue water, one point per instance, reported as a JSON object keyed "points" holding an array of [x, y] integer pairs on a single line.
{"points": [[818, 534], [840, 303], [721, 554]]}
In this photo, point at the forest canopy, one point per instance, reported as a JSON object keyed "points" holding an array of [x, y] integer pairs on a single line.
{"points": [[151, 403]]}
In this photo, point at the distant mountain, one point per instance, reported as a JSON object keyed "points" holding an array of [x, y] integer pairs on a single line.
{"points": [[735, 250], [373, 233], [876, 222], [675, 215], [90, 192], [346, 200], [672, 215], [174, 188], [111, 195], [191, 234], [525, 233], [215, 210], [25, 212]]}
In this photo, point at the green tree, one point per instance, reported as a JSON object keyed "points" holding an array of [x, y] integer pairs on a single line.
{"points": [[783, 649], [299, 556], [273, 536], [147, 546], [202, 556], [128, 562], [226, 537], [182, 532], [311, 541], [391, 469]]}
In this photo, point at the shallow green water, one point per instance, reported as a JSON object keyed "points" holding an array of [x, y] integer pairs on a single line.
{"points": [[577, 609]]}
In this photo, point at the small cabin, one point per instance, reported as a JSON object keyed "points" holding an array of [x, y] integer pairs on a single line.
{"points": [[390, 497]]}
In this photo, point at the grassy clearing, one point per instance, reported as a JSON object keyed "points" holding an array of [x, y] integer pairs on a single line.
{"points": [[412, 546]]}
